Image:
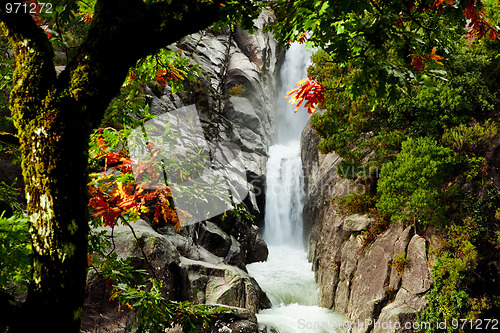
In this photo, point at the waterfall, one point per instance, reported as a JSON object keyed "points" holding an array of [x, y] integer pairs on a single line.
{"points": [[285, 179], [284, 196], [290, 124], [287, 277]]}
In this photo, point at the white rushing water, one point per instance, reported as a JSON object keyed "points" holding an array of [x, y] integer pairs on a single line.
{"points": [[287, 277], [284, 196]]}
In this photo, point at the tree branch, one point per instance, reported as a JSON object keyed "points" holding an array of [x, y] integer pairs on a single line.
{"points": [[120, 34], [9, 138], [35, 74]]}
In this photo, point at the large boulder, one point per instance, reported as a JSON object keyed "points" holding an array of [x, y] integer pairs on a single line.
{"points": [[146, 250], [347, 266], [356, 222], [198, 264], [417, 278], [226, 320], [368, 291], [221, 284], [400, 314], [231, 319]]}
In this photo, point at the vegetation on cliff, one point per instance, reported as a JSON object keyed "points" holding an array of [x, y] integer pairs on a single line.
{"points": [[415, 109]]}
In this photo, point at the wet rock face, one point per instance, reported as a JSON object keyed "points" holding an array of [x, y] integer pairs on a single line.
{"points": [[359, 281]]}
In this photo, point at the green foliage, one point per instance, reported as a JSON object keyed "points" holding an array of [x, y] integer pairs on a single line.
{"points": [[449, 297], [86, 9], [130, 288], [15, 250], [166, 67], [359, 127], [469, 93], [351, 169], [392, 44], [411, 186], [459, 290], [155, 313], [400, 262], [345, 120], [240, 210], [470, 140], [355, 203], [6, 74], [116, 270], [9, 198], [130, 108], [241, 11], [491, 12], [376, 228]]}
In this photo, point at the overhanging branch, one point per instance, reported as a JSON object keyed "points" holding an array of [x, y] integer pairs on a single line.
{"points": [[9, 138]]}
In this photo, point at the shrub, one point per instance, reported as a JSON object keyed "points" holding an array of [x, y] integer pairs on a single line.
{"points": [[354, 203], [237, 90], [354, 126], [470, 139], [400, 263], [376, 228], [9, 199], [15, 251], [351, 169], [410, 187]]}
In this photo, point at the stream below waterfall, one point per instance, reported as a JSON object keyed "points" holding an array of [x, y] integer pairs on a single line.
{"points": [[287, 277]]}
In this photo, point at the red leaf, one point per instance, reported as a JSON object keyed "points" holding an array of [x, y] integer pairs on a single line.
{"points": [[309, 91]]}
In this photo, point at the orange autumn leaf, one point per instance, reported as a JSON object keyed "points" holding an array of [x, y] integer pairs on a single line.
{"points": [[438, 3], [87, 17], [477, 24], [308, 91], [416, 61], [436, 57], [112, 198], [170, 73], [423, 59], [302, 38]]}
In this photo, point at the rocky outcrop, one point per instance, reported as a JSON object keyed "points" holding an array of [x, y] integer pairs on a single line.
{"points": [[187, 269], [205, 262], [228, 320], [354, 278], [243, 116]]}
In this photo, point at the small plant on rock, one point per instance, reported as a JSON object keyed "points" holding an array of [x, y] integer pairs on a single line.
{"points": [[354, 203], [237, 90], [400, 263]]}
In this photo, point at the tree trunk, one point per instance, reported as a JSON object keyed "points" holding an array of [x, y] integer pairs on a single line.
{"points": [[54, 170], [54, 161], [54, 117]]}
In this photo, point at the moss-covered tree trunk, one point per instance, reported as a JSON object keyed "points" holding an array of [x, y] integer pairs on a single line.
{"points": [[54, 116]]}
